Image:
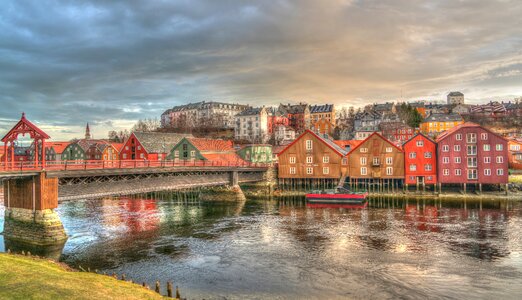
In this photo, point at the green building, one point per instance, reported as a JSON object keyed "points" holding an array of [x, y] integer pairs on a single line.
{"points": [[74, 151], [256, 153]]}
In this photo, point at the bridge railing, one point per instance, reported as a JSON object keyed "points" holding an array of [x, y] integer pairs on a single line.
{"points": [[64, 165]]}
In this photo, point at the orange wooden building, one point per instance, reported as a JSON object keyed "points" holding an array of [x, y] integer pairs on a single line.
{"points": [[376, 163], [311, 161]]}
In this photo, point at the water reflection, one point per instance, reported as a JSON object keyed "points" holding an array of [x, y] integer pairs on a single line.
{"points": [[281, 249]]}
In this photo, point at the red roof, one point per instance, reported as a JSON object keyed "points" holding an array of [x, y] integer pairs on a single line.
{"points": [[117, 146], [203, 144], [382, 137], [318, 137], [57, 146], [351, 143], [223, 158]]}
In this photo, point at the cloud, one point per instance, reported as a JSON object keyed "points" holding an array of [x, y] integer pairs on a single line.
{"points": [[66, 63]]}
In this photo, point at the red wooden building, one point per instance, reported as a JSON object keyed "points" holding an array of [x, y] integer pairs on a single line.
{"points": [[420, 161], [276, 117], [396, 131], [469, 154], [150, 145]]}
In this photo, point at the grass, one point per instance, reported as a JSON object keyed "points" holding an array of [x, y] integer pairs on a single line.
{"points": [[34, 278], [515, 178]]}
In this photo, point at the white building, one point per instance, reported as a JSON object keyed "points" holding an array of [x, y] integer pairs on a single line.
{"points": [[455, 98], [209, 114], [284, 134], [252, 125]]}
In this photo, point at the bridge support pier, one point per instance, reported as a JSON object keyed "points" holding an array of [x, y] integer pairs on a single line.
{"points": [[29, 214]]}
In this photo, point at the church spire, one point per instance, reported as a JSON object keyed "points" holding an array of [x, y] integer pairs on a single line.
{"points": [[87, 132]]}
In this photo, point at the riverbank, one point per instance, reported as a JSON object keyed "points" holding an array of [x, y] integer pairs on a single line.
{"points": [[419, 195], [23, 277]]}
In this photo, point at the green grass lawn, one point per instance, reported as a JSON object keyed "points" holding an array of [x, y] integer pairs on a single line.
{"points": [[33, 278]]}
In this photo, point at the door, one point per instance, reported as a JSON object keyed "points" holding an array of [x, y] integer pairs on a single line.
{"points": [[420, 180]]}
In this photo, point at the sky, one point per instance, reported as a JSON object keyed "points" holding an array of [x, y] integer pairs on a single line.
{"points": [[110, 63]]}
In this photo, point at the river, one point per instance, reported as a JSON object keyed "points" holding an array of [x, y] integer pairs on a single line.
{"points": [[282, 249]]}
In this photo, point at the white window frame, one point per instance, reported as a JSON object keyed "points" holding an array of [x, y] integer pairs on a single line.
{"points": [[472, 174], [413, 167], [487, 172], [389, 170], [326, 170], [292, 159], [389, 149], [309, 170], [458, 172], [457, 160], [456, 148], [413, 155], [427, 154], [500, 172], [428, 167], [389, 160], [309, 159], [487, 147], [326, 159], [364, 161], [445, 172], [364, 150], [484, 136], [499, 147], [292, 170], [445, 160], [420, 143], [364, 171], [487, 159], [470, 162], [458, 136], [309, 145], [471, 137], [500, 159], [445, 148]]}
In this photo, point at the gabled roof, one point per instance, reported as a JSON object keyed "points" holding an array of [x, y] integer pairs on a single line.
{"points": [[435, 117], [451, 131], [159, 142], [251, 111], [326, 108], [25, 126], [57, 146], [293, 108], [211, 145], [422, 134], [327, 141], [117, 146], [352, 143], [382, 137]]}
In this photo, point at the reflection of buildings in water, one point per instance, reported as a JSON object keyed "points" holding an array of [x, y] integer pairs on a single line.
{"points": [[139, 214]]}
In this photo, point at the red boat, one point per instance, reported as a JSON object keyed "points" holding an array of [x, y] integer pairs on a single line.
{"points": [[339, 195]]}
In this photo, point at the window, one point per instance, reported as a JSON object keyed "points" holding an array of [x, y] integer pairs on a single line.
{"points": [[389, 160], [139, 147], [458, 136], [363, 161], [176, 153], [326, 170], [500, 172], [445, 160], [141, 155], [420, 143], [389, 171], [345, 161], [413, 167], [292, 170], [309, 170], [472, 149], [487, 147], [427, 154], [124, 156], [326, 159], [487, 159], [413, 154], [458, 172], [483, 136], [499, 147], [308, 144], [487, 172], [389, 149], [458, 160], [472, 162], [364, 150], [185, 147], [472, 174], [456, 148], [471, 137], [363, 171], [500, 159], [427, 167], [376, 161], [292, 159], [192, 153], [445, 148], [309, 159]]}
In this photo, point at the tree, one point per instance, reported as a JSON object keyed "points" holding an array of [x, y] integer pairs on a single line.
{"points": [[146, 125]]}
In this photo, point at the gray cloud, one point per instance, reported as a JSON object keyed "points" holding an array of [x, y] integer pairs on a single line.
{"points": [[69, 62]]}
